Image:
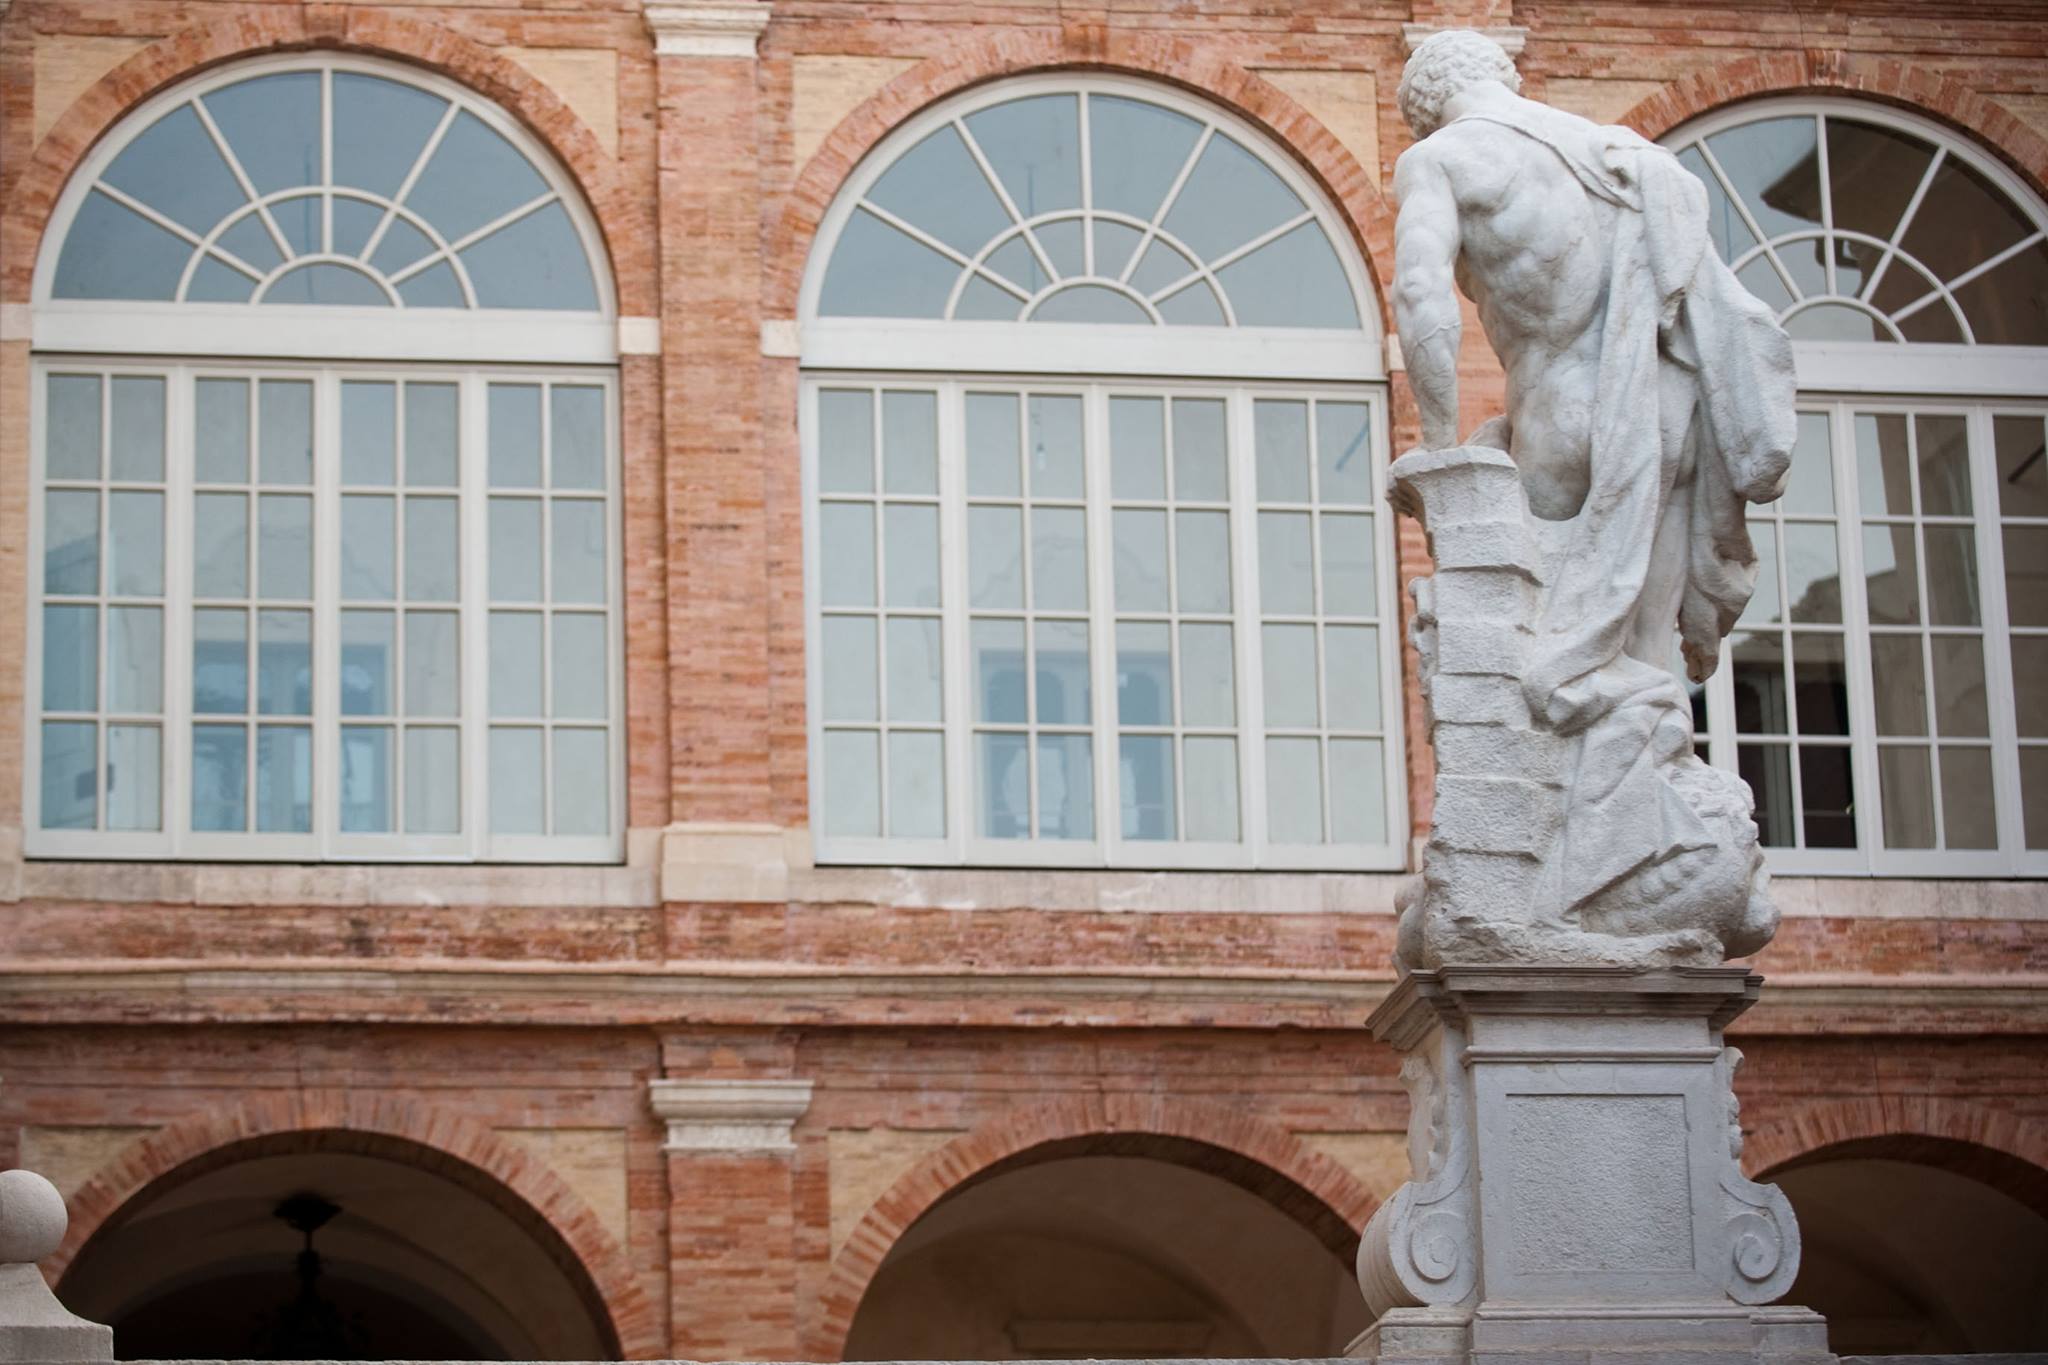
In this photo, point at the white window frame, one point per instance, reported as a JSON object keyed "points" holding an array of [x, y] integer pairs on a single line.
{"points": [[326, 843], [321, 332], [962, 846]]}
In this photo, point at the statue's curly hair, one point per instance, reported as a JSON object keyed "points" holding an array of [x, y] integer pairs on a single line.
{"points": [[1444, 64]]}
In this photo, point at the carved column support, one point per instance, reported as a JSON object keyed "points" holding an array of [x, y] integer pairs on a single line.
{"points": [[729, 1116], [702, 28]]}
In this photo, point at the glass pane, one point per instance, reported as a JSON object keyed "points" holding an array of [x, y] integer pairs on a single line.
{"points": [[853, 784], [1358, 792], [1763, 602], [515, 683], [847, 562], [1294, 280], [1200, 450], [577, 557], [1229, 198], [1810, 487], [1891, 572], [581, 804], [516, 782], [1290, 673], [2026, 575], [999, 681], [1286, 583], [877, 271], [1202, 557], [935, 186], [1343, 454], [135, 766], [576, 437], [1875, 171], [992, 446], [135, 659], [284, 779], [1813, 579], [433, 781], [1137, 148], [1906, 782], [368, 663], [369, 547], [70, 791], [1773, 164], [1145, 786], [1065, 691], [135, 544], [1884, 470], [432, 663], [285, 424], [1767, 768], [71, 542], [850, 664], [1137, 448], [284, 552], [1208, 690], [1059, 559], [910, 443], [432, 547], [1758, 662], [515, 538], [136, 450], [1066, 787], [2029, 671], [220, 661], [916, 669], [114, 253], [1960, 706], [1828, 796], [430, 435], [1140, 560], [220, 777], [1294, 791], [1003, 785], [1210, 779], [515, 435], [1280, 442], [1951, 575], [917, 785], [367, 779], [536, 262], [71, 447], [1967, 818], [911, 551], [369, 433], [71, 658], [1898, 684], [2022, 466], [1820, 682], [1144, 674], [221, 422], [1349, 586], [580, 671], [284, 663], [1054, 431], [846, 441], [1944, 466], [1351, 679]]}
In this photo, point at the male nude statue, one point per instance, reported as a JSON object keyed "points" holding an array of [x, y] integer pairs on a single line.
{"points": [[1649, 396]]}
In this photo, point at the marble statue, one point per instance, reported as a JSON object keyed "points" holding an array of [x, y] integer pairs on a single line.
{"points": [[1649, 398]]}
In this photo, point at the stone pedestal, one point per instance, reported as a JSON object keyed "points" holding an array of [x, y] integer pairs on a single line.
{"points": [[33, 1325], [1576, 1195]]}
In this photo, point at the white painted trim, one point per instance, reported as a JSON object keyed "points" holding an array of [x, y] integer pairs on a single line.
{"points": [[694, 28], [1511, 37], [639, 336], [1881, 368], [729, 1116]]}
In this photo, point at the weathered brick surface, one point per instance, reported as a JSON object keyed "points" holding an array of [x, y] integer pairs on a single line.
{"points": [[138, 1037]]}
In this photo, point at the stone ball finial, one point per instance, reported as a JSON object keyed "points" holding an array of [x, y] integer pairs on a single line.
{"points": [[32, 1217]]}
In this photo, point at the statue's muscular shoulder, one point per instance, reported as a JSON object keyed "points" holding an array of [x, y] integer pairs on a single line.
{"points": [[1477, 158]]}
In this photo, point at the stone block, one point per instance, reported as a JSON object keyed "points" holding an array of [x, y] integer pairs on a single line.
{"points": [[1479, 647], [1492, 815], [1479, 699], [1476, 750], [1484, 544], [1467, 483], [1484, 594]]}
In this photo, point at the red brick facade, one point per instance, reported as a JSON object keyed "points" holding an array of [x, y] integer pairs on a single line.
{"points": [[185, 1018]]}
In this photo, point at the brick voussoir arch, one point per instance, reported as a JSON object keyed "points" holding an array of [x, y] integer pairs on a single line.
{"points": [[1056, 1125], [460, 1145], [1826, 71], [31, 194], [1928, 1129], [1189, 64]]}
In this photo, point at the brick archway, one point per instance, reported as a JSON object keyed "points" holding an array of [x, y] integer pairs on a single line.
{"points": [[31, 194], [1300, 1181], [406, 1130], [1981, 120], [2006, 1152], [1193, 66]]}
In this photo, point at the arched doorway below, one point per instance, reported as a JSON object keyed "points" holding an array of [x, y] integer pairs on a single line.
{"points": [[414, 1262], [1093, 1256], [1909, 1258]]}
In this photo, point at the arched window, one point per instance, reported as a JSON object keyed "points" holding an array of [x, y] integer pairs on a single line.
{"points": [[1882, 694], [1099, 572], [354, 597]]}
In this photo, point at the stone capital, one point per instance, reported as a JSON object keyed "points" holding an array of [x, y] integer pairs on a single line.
{"points": [[729, 1116], [700, 28], [1511, 37]]}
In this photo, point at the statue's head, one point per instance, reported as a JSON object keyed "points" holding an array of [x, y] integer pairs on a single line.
{"points": [[1444, 65]]}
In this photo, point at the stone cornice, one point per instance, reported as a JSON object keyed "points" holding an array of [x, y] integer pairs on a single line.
{"points": [[700, 28], [1512, 37], [729, 1116]]}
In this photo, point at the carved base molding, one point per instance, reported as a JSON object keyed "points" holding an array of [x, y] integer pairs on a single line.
{"points": [[1576, 1192]]}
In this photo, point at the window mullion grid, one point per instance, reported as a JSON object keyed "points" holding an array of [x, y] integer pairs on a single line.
{"points": [[1387, 661], [1320, 610], [473, 595], [545, 608], [1099, 530], [1995, 619], [326, 622], [879, 475], [1864, 782], [1827, 204], [180, 556], [1249, 638], [1919, 534], [956, 693]]}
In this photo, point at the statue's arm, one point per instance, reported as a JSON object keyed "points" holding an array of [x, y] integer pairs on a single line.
{"points": [[1426, 293]]}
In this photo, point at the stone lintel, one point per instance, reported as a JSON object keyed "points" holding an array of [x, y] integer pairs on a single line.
{"points": [[729, 1116], [1511, 37], [706, 28], [1717, 994]]}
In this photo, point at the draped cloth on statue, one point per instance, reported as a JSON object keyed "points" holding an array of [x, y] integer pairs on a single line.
{"points": [[1653, 493]]}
